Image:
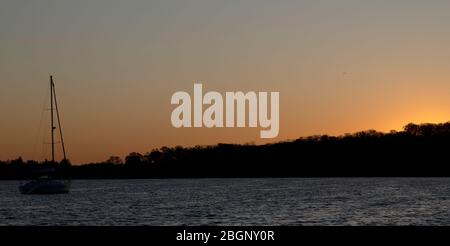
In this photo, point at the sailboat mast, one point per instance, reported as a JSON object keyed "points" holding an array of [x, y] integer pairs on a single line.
{"points": [[59, 122], [51, 119]]}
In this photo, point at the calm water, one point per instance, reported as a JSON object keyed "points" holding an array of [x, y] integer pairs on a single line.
{"points": [[321, 201]]}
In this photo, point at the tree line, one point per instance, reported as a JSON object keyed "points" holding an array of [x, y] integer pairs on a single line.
{"points": [[417, 150]]}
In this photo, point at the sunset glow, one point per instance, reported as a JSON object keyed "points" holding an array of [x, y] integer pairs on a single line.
{"points": [[340, 66]]}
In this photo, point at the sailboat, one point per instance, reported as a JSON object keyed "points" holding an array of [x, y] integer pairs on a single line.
{"points": [[44, 183]]}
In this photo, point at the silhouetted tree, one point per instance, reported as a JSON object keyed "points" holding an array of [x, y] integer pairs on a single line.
{"points": [[116, 160], [17, 162], [154, 156], [134, 159], [65, 163]]}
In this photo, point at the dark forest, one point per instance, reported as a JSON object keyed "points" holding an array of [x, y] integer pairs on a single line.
{"points": [[417, 150]]}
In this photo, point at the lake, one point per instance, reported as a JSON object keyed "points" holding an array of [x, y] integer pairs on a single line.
{"points": [[258, 201]]}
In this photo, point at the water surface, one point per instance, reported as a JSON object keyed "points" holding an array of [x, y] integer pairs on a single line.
{"points": [[293, 201]]}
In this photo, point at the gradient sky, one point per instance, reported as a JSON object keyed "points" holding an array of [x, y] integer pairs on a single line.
{"points": [[340, 66]]}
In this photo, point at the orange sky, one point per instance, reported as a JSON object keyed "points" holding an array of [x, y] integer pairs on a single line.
{"points": [[340, 66]]}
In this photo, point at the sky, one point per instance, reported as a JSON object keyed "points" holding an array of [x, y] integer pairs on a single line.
{"points": [[340, 66]]}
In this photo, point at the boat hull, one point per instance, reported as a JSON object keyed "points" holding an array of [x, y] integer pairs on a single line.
{"points": [[45, 187]]}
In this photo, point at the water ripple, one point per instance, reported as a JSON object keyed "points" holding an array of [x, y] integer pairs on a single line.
{"points": [[296, 201]]}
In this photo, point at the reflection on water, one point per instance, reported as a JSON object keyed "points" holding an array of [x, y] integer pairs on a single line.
{"points": [[296, 201]]}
